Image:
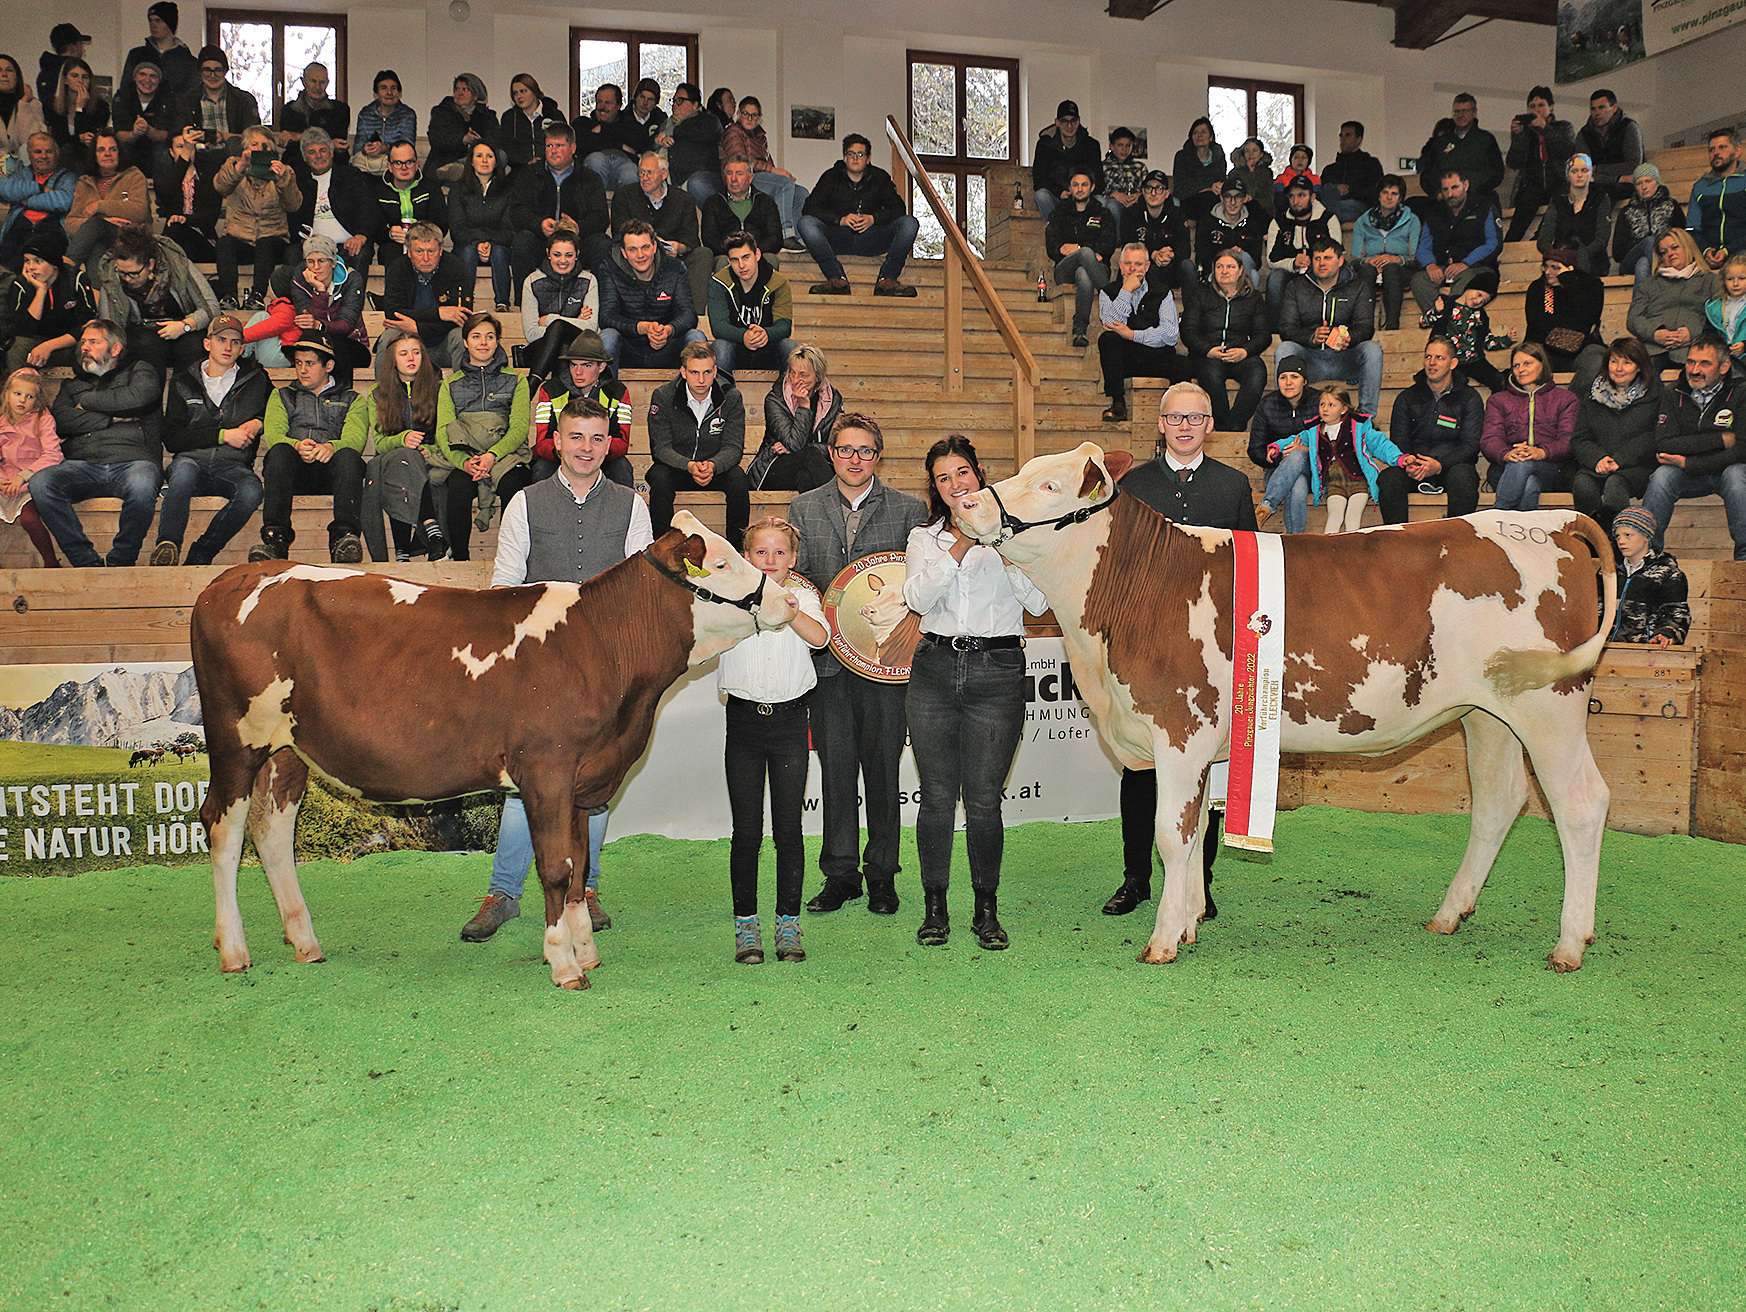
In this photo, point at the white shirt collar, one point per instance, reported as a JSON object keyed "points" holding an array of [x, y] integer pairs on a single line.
{"points": [[1178, 466], [564, 477]]}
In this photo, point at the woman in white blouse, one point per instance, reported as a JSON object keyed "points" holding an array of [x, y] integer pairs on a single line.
{"points": [[766, 679], [966, 700]]}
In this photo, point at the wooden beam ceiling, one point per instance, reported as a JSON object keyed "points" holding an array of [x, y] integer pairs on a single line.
{"points": [[1420, 24]]}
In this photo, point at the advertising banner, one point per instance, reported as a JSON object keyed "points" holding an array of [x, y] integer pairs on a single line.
{"points": [[1668, 24]]}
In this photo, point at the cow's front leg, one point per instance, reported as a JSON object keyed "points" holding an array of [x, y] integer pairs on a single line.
{"points": [[1178, 825], [555, 858], [576, 915]]}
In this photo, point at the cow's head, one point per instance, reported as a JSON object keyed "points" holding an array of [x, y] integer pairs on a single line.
{"points": [[1049, 493], [732, 598]]}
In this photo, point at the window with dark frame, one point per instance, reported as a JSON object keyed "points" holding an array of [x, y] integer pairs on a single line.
{"points": [[1246, 107], [599, 55], [269, 50], [963, 116]]}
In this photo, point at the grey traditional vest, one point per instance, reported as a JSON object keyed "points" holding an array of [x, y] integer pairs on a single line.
{"points": [[570, 542]]}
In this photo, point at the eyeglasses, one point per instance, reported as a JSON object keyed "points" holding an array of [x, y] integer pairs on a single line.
{"points": [[212, 68], [857, 153], [683, 100], [404, 163], [1186, 421], [751, 113], [854, 452], [130, 275]]}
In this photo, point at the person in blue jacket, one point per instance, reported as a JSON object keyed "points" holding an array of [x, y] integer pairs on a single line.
{"points": [[1348, 458]]}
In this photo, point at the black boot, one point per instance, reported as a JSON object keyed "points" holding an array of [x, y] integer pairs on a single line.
{"points": [[985, 924], [936, 926], [833, 895], [1126, 898], [882, 895]]}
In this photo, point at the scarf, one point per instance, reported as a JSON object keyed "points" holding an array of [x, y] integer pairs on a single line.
{"points": [[1613, 397], [1386, 222], [1681, 274], [820, 400]]}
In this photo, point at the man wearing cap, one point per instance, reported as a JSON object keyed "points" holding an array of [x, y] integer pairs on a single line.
{"points": [[162, 47], [581, 376], [1696, 440], [109, 417], [46, 306], [145, 115], [1235, 225], [1652, 588], [307, 453], [217, 108], [65, 42], [1718, 201], [1063, 150], [1157, 224], [1300, 221], [213, 425]]}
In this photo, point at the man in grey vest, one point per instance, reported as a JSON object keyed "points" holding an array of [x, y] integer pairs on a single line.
{"points": [[566, 528], [858, 726]]}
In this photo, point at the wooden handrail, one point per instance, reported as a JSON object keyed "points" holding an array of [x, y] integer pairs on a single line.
{"points": [[959, 256]]}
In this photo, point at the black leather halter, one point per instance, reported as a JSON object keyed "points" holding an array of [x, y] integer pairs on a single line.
{"points": [[1011, 526], [749, 603]]}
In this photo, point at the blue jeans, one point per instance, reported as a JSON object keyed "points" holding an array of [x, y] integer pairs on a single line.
{"points": [[192, 477], [55, 489], [614, 168], [702, 185], [1519, 483], [1288, 486], [1638, 259], [1346, 208], [1667, 485], [515, 851], [825, 241], [1321, 364], [469, 253], [789, 195], [1046, 202], [629, 351], [1089, 275], [731, 357]]}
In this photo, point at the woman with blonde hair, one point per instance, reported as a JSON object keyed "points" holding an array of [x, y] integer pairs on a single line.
{"points": [[1667, 307], [799, 410], [260, 194], [28, 444]]}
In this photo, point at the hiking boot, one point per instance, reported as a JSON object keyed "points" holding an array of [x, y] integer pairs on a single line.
{"points": [[985, 924], [597, 916], [436, 546], [494, 911], [272, 546], [833, 895], [936, 926], [788, 939], [346, 549], [748, 941], [892, 287], [831, 287], [1263, 513], [166, 553], [1079, 338]]}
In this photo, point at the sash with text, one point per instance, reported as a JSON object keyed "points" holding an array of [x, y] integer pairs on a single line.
{"points": [[1257, 683]]}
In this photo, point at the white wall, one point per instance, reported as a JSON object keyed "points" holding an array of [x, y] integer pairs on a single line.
{"points": [[1152, 74]]}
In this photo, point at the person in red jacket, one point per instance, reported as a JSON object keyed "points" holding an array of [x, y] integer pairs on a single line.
{"points": [[1528, 427], [583, 366]]}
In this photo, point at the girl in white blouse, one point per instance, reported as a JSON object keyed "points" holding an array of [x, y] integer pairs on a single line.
{"points": [[766, 679], [966, 699]]}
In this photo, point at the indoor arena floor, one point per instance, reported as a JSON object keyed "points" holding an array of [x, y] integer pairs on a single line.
{"points": [[1320, 1106]]}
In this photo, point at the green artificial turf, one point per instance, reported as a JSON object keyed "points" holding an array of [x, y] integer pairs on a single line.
{"points": [[1320, 1106]]}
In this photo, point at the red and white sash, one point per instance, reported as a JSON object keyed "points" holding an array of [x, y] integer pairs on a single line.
{"points": [[1257, 690]]}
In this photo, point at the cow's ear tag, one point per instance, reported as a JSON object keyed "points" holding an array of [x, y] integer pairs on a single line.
{"points": [[1096, 493], [695, 571]]}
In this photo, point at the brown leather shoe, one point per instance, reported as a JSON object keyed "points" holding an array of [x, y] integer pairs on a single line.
{"points": [[596, 913], [167, 553], [892, 287], [494, 912], [831, 287]]}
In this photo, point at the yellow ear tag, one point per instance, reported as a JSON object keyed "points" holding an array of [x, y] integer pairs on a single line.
{"points": [[1096, 491], [695, 571]]}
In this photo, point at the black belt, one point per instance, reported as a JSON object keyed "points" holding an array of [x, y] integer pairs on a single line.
{"points": [[962, 643], [767, 708]]}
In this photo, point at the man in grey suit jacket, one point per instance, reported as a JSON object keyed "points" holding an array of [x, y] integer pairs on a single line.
{"points": [[857, 725]]}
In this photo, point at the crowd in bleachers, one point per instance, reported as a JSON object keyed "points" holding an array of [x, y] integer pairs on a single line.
{"points": [[1199, 272]]}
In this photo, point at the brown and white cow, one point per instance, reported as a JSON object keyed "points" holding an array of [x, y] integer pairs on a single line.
{"points": [[1389, 634], [396, 692]]}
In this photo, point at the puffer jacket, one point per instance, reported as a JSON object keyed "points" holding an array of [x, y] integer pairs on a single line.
{"points": [[1545, 417], [1658, 302], [491, 388], [22, 190], [1718, 211], [477, 215], [295, 412], [255, 207], [546, 293], [1350, 302], [1374, 450], [1644, 220], [116, 418], [341, 315], [1446, 428], [1653, 601], [626, 300], [677, 436], [1626, 433], [192, 423], [189, 286], [1700, 432], [1211, 319], [1276, 419]]}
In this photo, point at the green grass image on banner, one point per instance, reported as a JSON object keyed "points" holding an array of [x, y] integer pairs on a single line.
{"points": [[1320, 1106]]}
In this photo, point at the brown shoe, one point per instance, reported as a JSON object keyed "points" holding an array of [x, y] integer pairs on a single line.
{"points": [[831, 287], [1263, 513], [494, 912], [596, 912], [167, 553], [892, 287]]}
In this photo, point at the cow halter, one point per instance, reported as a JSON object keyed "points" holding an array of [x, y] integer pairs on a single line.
{"points": [[748, 603], [1011, 526]]}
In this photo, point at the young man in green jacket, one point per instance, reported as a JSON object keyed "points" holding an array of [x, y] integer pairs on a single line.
{"points": [[307, 453], [751, 310]]}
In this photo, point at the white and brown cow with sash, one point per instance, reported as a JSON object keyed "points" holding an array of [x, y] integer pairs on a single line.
{"points": [[1389, 633], [395, 692]]}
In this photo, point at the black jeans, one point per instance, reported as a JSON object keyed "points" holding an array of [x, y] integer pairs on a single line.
{"points": [[541, 357], [1122, 359], [1601, 496], [266, 252], [760, 745], [966, 710], [1250, 375], [1393, 487], [459, 489], [1139, 830], [286, 474], [858, 728], [666, 482], [1528, 203]]}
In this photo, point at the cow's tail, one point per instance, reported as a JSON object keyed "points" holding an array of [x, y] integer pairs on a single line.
{"points": [[1514, 671]]}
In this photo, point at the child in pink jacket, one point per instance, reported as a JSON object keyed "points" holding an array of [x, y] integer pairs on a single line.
{"points": [[28, 442]]}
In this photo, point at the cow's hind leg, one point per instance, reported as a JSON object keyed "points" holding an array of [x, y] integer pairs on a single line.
{"points": [[1578, 796], [225, 813], [1499, 784], [279, 793], [1179, 827], [550, 821]]}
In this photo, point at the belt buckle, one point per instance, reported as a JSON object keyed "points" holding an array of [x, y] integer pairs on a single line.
{"points": [[962, 643], [765, 708]]}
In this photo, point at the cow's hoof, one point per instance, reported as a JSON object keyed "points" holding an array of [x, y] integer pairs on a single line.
{"points": [[1443, 924], [574, 985], [1188, 935], [1563, 960], [233, 967], [1155, 957], [590, 965], [311, 955]]}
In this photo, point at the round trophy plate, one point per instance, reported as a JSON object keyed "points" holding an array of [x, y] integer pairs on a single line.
{"points": [[872, 631]]}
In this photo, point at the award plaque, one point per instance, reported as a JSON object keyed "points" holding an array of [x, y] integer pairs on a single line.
{"points": [[872, 631]]}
